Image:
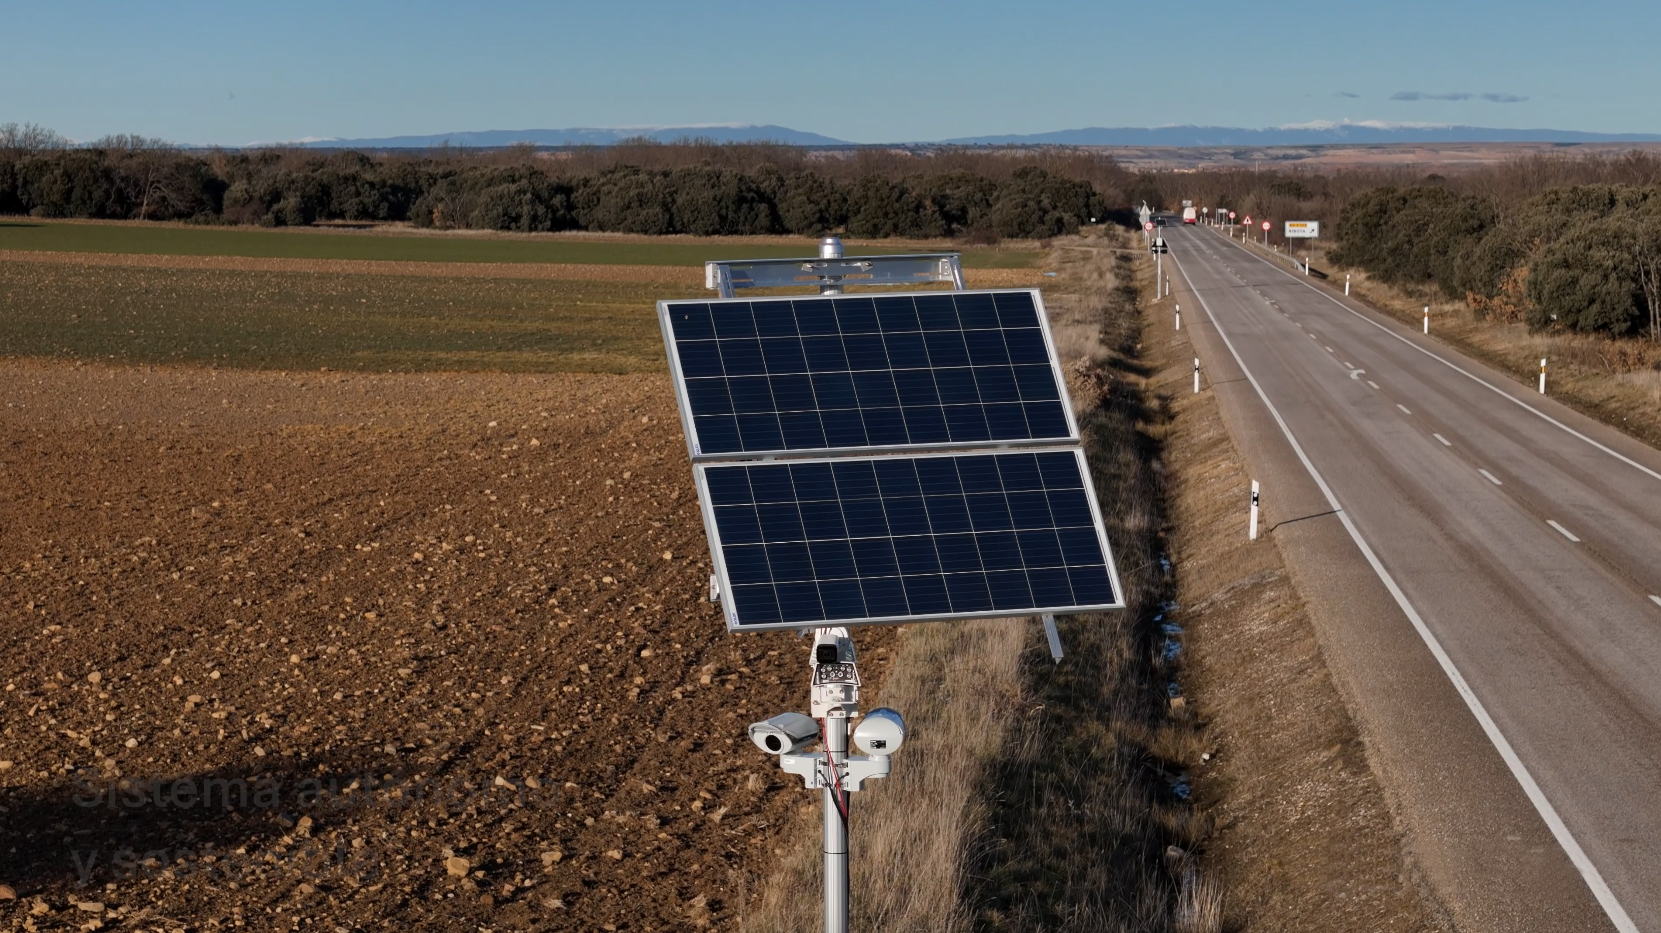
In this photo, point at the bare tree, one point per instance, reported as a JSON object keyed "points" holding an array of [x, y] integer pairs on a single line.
{"points": [[1646, 247]]}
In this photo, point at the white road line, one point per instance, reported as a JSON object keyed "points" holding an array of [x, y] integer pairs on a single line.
{"points": [[1372, 383], [1348, 365], [1566, 532], [1554, 822], [1491, 477], [1329, 349], [1403, 408], [1445, 442], [1468, 374], [1656, 600]]}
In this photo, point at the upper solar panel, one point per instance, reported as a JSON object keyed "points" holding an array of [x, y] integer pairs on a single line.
{"points": [[864, 373]]}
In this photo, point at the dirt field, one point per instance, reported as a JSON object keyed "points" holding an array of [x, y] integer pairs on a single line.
{"points": [[339, 651]]}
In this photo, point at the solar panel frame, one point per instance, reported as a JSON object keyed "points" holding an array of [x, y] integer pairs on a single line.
{"points": [[690, 427], [723, 576]]}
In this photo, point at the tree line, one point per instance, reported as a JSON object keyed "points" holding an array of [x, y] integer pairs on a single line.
{"points": [[1585, 258], [729, 191]]}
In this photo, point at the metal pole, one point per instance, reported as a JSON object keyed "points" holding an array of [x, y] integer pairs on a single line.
{"points": [[830, 248], [1159, 269], [836, 827]]}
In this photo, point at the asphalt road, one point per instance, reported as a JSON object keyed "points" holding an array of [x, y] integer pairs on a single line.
{"points": [[1484, 570]]}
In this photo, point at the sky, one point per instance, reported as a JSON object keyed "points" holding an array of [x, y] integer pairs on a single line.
{"points": [[233, 73]]}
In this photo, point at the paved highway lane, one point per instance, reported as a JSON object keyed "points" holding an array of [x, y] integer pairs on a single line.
{"points": [[1489, 596]]}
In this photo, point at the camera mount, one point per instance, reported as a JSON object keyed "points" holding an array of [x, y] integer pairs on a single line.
{"points": [[834, 696]]}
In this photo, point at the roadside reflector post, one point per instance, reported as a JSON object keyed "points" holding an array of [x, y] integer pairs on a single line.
{"points": [[1179, 317], [1427, 319], [1542, 375], [1252, 533], [1346, 284], [1197, 377]]}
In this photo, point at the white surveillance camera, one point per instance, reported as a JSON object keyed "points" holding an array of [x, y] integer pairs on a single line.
{"points": [[881, 732], [784, 733]]}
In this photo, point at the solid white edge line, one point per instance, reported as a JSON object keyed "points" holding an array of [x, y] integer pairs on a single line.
{"points": [[1372, 383], [1564, 531], [1559, 830], [1445, 441], [1491, 477], [1656, 600], [1403, 408], [1465, 372]]}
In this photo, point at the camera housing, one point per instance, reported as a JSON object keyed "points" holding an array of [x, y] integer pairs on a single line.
{"points": [[880, 733], [784, 734]]}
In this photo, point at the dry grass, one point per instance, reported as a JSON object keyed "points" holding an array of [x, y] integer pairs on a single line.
{"points": [[959, 687], [1038, 796]]}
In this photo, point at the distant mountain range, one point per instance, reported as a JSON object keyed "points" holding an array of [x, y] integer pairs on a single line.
{"points": [[585, 136], [1306, 134]]}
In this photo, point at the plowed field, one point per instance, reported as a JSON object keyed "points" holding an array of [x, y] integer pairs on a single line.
{"points": [[339, 651]]}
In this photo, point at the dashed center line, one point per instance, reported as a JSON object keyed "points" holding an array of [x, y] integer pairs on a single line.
{"points": [[1491, 477], [1349, 365], [1329, 349], [1372, 383], [1403, 408], [1445, 441], [1565, 532]]}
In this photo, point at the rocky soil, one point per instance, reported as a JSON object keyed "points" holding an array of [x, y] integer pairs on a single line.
{"points": [[324, 651]]}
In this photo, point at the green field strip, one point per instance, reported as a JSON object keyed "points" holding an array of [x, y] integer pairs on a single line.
{"points": [[45, 236]]}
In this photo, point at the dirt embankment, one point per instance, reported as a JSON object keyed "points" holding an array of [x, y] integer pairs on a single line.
{"points": [[1303, 834], [316, 651]]}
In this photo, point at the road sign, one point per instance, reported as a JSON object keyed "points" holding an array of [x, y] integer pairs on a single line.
{"points": [[1248, 220], [1159, 246], [1230, 215], [1265, 226], [1303, 229], [1148, 225]]}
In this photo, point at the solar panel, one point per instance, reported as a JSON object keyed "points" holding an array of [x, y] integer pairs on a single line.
{"points": [[873, 539], [866, 372]]}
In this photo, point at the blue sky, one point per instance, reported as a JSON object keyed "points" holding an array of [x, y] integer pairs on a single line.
{"points": [[232, 73]]}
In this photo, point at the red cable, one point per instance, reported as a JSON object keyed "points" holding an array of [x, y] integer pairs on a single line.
{"points": [[836, 773]]}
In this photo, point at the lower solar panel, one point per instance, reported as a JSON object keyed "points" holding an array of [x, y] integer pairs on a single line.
{"points": [[865, 540]]}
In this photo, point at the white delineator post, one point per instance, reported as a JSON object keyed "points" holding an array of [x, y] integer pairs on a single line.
{"points": [[1197, 376], [1346, 283], [1427, 319], [1179, 317], [1542, 375], [1252, 533]]}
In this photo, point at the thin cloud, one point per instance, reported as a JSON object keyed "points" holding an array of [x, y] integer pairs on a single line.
{"points": [[1420, 95], [1344, 94], [1503, 98]]}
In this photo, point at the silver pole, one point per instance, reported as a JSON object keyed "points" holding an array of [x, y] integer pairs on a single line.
{"points": [[836, 827], [831, 248]]}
